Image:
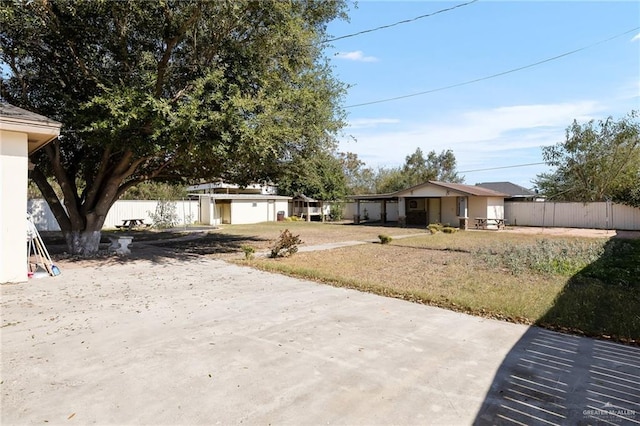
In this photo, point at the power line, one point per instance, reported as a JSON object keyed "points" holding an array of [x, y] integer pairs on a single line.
{"points": [[406, 21], [495, 75], [502, 167]]}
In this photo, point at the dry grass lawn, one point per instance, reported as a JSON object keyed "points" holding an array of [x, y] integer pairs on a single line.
{"points": [[576, 284], [440, 275]]}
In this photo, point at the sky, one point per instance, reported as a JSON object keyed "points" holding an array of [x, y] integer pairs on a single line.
{"points": [[498, 123]]}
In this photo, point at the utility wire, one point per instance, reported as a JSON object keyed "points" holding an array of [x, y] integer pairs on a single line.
{"points": [[495, 75], [406, 21], [503, 167]]}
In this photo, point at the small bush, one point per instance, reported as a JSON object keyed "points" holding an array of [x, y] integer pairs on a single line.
{"points": [[165, 215], [285, 245], [248, 252], [434, 228], [335, 212], [449, 230], [384, 239]]}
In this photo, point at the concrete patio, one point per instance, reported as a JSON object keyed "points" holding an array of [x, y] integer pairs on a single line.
{"points": [[201, 341]]}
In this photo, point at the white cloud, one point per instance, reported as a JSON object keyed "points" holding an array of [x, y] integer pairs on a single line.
{"points": [[483, 138], [636, 38], [363, 123], [356, 55]]}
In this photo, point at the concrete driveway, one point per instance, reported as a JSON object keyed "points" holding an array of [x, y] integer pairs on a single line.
{"points": [[204, 342]]}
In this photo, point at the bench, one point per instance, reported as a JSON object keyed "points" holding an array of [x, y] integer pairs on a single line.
{"points": [[485, 222], [120, 244]]}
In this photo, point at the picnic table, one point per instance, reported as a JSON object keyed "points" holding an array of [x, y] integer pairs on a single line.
{"points": [[484, 222], [133, 223]]}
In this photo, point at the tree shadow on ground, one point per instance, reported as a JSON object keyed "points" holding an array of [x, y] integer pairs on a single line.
{"points": [[557, 378], [161, 248]]}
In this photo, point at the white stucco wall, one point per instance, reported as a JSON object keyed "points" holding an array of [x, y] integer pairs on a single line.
{"points": [[477, 207], [428, 191], [13, 193], [495, 208], [255, 211], [448, 209]]}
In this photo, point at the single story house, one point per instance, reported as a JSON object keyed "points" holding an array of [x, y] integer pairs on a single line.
{"points": [[437, 202], [22, 133]]}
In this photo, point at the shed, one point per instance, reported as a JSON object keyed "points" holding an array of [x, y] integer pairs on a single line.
{"points": [[218, 209], [307, 208], [22, 133]]}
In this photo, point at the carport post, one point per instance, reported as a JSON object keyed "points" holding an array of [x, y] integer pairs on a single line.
{"points": [[383, 215]]}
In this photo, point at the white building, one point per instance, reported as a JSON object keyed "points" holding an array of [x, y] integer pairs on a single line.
{"points": [[21, 134]]}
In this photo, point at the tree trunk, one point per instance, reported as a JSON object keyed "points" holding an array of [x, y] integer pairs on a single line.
{"points": [[80, 223], [84, 243]]}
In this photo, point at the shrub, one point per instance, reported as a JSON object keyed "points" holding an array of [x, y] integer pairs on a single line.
{"points": [[384, 239], [248, 252], [434, 228], [449, 230], [544, 256], [335, 211], [165, 215], [285, 245]]}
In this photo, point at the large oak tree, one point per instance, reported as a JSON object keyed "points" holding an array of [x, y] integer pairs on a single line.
{"points": [[175, 91]]}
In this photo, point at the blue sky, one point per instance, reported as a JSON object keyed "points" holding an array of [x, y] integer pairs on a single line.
{"points": [[495, 123]]}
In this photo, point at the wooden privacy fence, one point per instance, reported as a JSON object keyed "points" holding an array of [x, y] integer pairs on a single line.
{"points": [[602, 215], [186, 213]]}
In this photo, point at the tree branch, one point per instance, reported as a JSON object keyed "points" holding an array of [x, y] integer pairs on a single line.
{"points": [[170, 45], [99, 178], [67, 184], [52, 199]]}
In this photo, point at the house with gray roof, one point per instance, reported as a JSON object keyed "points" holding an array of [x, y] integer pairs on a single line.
{"points": [[514, 192]]}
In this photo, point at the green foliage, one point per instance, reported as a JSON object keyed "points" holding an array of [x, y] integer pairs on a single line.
{"points": [[418, 169], [449, 230], [384, 239], [359, 179], [248, 251], [165, 215], [598, 161], [155, 191], [564, 257], [336, 211], [320, 177], [169, 91], [285, 245]]}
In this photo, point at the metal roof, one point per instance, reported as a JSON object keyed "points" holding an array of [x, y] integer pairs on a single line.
{"points": [[262, 197], [459, 187], [508, 188]]}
